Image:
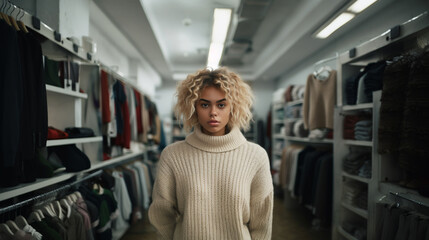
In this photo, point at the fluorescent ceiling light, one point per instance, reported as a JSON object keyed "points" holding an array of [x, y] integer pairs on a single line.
{"points": [[215, 54], [221, 21], [339, 21], [360, 5]]}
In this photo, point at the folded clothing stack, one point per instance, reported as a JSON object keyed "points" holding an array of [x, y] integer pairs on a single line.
{"points": [[355, 194], [70, 132], [363, 130], [355, 160], [72, 158]]}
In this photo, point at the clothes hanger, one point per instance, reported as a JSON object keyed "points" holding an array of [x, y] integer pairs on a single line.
{"points": [[13, 21], [21, 222], [20, 23], [6, 230], [12, 225], [4, 16], [39, 211], [66, 206], [322, 73], [48, 211], [34, 217], [59, 211], [79, 195]]}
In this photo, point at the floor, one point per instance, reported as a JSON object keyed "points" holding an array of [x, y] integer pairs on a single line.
{"points": [[290, 222]]}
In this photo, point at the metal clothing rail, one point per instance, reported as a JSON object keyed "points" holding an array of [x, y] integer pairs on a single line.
{"points": [[326, 59], [402, 196], [44, 195]]}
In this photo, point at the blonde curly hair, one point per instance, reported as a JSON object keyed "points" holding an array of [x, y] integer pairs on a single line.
{"points": [[237, 92]]}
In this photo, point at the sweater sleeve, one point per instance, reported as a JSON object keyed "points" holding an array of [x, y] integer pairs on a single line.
{"points": [[261, 204], [163, 210]]}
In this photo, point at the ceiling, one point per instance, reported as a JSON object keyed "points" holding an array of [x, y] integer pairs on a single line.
{"points": [[266, 38]]}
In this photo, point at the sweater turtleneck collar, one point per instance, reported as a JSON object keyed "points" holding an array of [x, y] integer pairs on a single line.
{"points": [[227, 142]]}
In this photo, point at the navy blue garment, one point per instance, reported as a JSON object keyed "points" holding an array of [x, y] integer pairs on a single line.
{"points": [[120, 98], [299, 168], [374, 78], [10, 105]]}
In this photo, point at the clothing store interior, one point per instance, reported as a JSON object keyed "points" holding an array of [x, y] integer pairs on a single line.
{"points": [[340, 106]]}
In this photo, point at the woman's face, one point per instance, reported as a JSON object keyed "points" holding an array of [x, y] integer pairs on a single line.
{"points": [[213, 111]]}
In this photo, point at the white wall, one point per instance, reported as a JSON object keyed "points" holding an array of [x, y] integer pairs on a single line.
{"points": [[74, 18], [263, 91], [117, 52], [396, 13]]}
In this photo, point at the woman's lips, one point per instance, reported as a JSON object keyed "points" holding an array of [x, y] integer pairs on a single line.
{"points": [[213, 123]]}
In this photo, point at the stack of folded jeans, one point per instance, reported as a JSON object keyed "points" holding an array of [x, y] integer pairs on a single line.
{"points": [[363, 130]]}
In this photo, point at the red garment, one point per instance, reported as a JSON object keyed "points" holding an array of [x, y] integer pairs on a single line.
{"points": [[288, 94], [138, 112], [105, 97], [54, 133]]}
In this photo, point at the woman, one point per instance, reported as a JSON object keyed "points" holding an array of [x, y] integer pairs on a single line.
{"points": [[214, 184]]}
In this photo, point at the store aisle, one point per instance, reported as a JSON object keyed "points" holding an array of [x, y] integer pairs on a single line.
{"points": [[288, 224]]}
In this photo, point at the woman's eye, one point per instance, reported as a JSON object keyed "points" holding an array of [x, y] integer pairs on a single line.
{"points": [[204, 105], [221, 105]]}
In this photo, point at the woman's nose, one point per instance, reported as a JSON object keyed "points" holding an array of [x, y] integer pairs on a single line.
{"points": [[213, 111]]}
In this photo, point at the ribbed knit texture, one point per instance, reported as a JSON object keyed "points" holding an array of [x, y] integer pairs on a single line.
{"points": [[213, 187]]}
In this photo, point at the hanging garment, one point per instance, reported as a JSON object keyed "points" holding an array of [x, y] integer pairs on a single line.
{"points": [[319, 102]]}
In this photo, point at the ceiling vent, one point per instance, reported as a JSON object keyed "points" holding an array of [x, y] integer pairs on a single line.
{"points": [[254, 9], [250, 16]]}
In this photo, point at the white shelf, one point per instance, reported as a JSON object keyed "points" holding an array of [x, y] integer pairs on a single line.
{"points": [[358, 143], [114, 161], [65, 44], [278, 121], [361, 212], [50, 88], [346, 234], [363, 106], [357, 178], [292, 119], [7, 193], [296, 102], [67, 141], [308, 140], [279, 136]]}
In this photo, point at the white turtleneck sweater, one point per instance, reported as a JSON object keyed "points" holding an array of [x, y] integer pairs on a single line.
{"points": [[213, 187]]}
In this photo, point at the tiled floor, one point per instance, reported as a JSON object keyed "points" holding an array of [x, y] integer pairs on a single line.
{"points": [[290, 222]]}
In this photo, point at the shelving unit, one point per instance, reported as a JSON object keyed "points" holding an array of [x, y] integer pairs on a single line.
{"points": [[308, 140], [178, 133], [382, 168], [346, 234], [59, 142], [252, 134], [66, 92], [65, 109], [278, 137]]}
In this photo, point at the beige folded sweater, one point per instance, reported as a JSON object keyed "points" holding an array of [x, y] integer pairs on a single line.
{"points": [[213, 187]]}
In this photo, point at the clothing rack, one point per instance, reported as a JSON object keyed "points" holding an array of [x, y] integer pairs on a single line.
{"points": [[44, 195], [404, 197]]}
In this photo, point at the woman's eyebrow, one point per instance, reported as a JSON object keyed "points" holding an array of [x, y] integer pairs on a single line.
{"points": [[218, 101]]}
